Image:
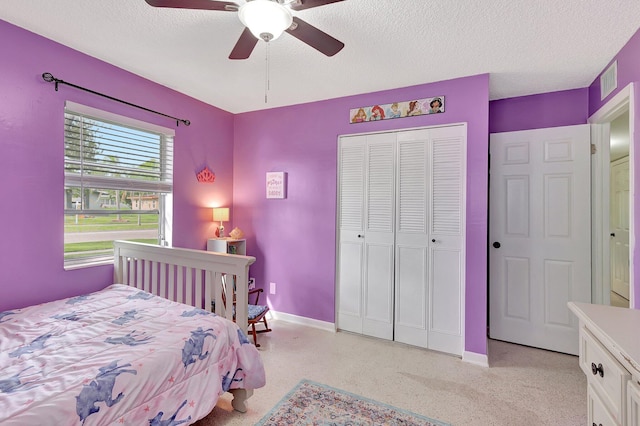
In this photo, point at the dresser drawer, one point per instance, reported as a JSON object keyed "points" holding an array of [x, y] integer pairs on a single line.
{"points": [[605, 374], [633, 403], [598, 413]]}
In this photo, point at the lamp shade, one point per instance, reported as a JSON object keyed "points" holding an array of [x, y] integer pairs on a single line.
{"points": [[265, 19], [221, 214]]}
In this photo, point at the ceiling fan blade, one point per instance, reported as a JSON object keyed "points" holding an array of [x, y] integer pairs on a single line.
{"points": [[244, 46], [314, 37], [195, 4], [308, 4]]}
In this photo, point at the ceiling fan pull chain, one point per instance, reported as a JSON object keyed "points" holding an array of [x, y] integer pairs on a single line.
{"points": [[266, 77]]}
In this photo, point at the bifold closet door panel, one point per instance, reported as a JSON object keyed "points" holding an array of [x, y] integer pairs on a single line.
{"points": [[379, 235], [412, 238], [350, 271], [366, 250], [446, 231]]}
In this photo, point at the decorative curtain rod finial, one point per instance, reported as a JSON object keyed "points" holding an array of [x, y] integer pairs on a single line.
{"points": [[48, 77]]}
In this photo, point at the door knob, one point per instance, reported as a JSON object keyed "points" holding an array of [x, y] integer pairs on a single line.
{"points": [[433, 240], [360, 236], [613, 234], [496, 245], [599, 369]]}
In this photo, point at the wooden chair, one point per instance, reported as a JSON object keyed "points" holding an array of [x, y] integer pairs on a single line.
{"points": [[256, 313]]}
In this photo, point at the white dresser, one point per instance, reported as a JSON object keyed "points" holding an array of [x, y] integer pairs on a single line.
{"points": [[610, 357]]}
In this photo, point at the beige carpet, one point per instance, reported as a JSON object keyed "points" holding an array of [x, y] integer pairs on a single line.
{"points": [[524, 386]]}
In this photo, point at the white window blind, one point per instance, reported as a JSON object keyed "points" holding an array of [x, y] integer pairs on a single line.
{"points": [[118, 182], [103, 154]]}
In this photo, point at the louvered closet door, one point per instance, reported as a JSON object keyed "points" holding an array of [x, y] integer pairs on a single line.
{"points": [[379, 236], [366, 238], [351, 192], [446, 228], [429, 238], [412, 239]]}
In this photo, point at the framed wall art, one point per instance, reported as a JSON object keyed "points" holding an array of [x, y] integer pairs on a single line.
{"points": [[434, 105], [277, 185]]}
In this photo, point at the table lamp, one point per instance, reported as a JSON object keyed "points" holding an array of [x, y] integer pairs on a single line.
{"points": [[221, 214]]}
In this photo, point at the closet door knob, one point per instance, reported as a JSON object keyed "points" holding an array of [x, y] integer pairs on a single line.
{"points": [[597, 369], [360, 236], [496, 245], [433, 240]]}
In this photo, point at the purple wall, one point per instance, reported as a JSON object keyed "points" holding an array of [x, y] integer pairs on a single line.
{"points": [[294, 240], [628, 71], [555, 109], [32, 151]]}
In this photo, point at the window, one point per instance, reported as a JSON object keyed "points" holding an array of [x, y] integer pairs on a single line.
{"points": [[118, 181]]}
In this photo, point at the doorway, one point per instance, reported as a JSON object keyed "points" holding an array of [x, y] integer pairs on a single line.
{"points": [[612, 210], [539, 232]]}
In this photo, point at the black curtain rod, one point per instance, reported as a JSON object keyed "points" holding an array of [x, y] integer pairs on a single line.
{"points": [[50, 78]]}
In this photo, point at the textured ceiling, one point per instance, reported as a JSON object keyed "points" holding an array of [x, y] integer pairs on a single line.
{"points": [[531, 46]]}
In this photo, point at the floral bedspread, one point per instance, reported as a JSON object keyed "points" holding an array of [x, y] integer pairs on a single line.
{"points": [[119, 356]]}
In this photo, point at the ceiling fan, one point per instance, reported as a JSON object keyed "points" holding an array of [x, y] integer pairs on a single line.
{"points": [[266, 20]]}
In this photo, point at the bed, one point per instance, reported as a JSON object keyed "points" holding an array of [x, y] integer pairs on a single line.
{"points": [[144, 351]]}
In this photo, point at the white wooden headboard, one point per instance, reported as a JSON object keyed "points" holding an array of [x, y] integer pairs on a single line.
{"points": [[192, 277]]}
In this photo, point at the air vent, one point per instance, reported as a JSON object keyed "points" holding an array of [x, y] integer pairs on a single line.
{"points": [[609, 80]]}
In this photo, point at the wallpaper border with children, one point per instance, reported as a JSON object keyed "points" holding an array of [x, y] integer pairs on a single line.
{"points": [[433, 105]]}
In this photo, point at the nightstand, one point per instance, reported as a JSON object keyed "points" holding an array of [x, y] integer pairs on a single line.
{"points": [[227, 245]]}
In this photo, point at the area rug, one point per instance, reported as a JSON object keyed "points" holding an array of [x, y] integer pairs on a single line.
{"points": [[310, 403]]}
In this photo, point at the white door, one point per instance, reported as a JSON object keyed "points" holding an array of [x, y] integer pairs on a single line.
{"points": [[446, 222], [351, 181], [379, 236], [540, 235], [366, 237], [412, 239], [430, 238], [619, 217]]}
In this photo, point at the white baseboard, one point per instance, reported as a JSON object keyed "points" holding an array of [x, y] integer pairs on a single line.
{"points": [[309, 322], [471, 357], [475, 358]]}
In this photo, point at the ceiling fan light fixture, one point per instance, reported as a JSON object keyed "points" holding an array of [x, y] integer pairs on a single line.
{"points": [[265, 19]]}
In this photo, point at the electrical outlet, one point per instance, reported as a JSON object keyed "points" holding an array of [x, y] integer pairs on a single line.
{"points": [[252, 283], [272, 288]]}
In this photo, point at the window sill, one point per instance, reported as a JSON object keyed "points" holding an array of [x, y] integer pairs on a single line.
{"points": [[88, 264]]}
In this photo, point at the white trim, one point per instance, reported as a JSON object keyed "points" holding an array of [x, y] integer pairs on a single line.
{"points": [[120, 119], [308, 322], [166, 215], [405, 129], [87, 264], [599, 121], [475, 358], [600, 262], [463, 248]]}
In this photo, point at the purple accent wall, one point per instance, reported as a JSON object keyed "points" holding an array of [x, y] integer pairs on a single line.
{"points": [[628, 71], [294, 240], [555, 109], [32, 151]]}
